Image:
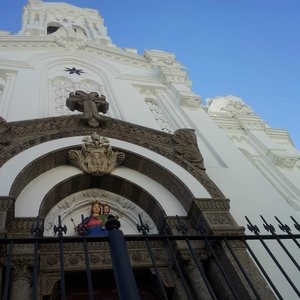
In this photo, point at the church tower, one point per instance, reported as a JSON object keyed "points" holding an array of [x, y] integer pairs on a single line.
{"points": [[82, 120]]}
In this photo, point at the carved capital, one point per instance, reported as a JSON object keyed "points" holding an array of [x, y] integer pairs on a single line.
{"points": [[213, 215], [22, 268]]}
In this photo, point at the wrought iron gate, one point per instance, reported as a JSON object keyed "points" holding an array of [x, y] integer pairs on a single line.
{"points": [[282, 250]]}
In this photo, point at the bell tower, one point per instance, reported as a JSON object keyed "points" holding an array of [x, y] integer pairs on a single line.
{"points": [[62, 19]]}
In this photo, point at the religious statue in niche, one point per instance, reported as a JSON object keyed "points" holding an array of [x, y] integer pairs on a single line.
{"points": [[95, 223], [96, 156]]}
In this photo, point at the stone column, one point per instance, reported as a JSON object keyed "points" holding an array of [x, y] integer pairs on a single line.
{"points": [[213, 215], [21, 280], [197, 282], [190, 258]]}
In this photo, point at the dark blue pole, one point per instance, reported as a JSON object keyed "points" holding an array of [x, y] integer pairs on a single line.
{"points": [[123, 273]]}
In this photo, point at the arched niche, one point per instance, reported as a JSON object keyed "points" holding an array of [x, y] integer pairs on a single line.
{"points": [[109, 183], [72, 207]]}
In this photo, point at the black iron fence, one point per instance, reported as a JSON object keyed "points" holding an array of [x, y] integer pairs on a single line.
{"points": [[215, 273]]}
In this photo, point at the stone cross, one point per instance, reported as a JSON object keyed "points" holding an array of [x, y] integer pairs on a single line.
{"points": [[90, 104]]}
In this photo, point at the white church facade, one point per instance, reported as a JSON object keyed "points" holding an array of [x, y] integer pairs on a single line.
{"points": [[213, 162]]}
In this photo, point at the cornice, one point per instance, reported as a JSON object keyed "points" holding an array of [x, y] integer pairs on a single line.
{"points": [[24, 42], [6, 63]]}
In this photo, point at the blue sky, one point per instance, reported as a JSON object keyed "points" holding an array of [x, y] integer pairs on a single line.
{"points": [[247, 48]]}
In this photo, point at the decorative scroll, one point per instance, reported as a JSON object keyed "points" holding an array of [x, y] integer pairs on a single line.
{"points": [[4, 133], [96, 156], [187, 147]]}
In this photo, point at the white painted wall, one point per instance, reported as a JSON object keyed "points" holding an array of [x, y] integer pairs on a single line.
{"points": [[244, 163]]}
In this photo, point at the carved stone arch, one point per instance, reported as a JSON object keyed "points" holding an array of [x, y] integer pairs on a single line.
{"points": [[110, 183], [27, 134], [132, 161]]}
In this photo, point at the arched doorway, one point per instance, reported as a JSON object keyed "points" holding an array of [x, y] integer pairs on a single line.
{"points": [[104, 286]]}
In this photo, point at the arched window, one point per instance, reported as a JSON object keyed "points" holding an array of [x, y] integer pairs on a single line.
{"points": [[63, 86], [53, 27]]}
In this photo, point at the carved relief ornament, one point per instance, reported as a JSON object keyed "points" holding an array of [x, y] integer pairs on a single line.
{"points": [[186, 147], [4, 133], [96, 156]]}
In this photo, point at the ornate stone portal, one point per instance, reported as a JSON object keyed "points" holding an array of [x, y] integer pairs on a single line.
{"points": [[96, 156]]}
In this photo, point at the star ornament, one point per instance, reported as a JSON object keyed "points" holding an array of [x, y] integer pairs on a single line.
{"points": [[74, 71]]}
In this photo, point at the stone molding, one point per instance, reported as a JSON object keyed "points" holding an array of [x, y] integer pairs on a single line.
{"points": [[20, 42], [100, 256], [283, 159], [213, 216], [189, 100], [213, 204], [168, 68]]}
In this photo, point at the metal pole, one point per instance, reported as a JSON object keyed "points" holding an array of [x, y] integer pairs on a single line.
{"points": [[270, 228], [241, 268], [178, 269], [125, 281], [37, 231], [87, 266], [145, 229], [8, 269], [262, 269], [60, 229], [183, 230], [253, 228]]}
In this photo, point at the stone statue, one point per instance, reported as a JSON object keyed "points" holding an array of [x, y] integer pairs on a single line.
{"points": [[95, 223]]}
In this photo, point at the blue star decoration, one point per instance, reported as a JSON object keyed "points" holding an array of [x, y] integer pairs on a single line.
{"points": [[74, 71]]}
